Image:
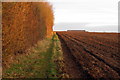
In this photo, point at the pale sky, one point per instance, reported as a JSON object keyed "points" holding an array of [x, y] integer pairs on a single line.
{"points": [[86, 14]]}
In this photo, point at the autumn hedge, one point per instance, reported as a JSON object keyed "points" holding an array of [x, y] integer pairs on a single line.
{"points": [[24, 23]]}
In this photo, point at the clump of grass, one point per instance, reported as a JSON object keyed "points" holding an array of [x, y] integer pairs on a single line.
{"points": [[58, 59], [40, 63]]}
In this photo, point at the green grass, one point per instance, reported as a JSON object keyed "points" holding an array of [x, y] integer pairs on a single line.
{"points": [[40, 63]]}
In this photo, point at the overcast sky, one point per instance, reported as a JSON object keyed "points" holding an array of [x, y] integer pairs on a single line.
{"points": [[86, 14]]}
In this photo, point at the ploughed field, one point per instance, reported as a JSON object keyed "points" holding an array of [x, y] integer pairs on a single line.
{"points": [[90, 55]]}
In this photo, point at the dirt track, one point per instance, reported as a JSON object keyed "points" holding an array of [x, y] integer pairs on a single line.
{"points": [[90, 55]]}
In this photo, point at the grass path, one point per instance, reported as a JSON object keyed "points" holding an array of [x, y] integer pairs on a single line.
{"points": [[40, 63]]}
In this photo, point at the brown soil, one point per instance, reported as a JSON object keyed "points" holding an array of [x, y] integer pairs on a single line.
{"points": [[90, 55]]}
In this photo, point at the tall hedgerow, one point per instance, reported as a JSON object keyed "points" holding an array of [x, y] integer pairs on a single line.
{"points": [[24, 23]]}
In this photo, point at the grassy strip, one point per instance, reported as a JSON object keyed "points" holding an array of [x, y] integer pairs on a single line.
{"points": [[40, 63]]}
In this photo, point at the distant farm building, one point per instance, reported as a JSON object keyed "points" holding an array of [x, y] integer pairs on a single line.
{"points": [[78, 30]]}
